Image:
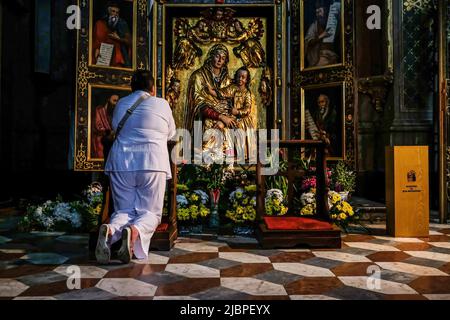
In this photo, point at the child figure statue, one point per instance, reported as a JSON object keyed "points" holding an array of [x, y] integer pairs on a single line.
{"points": [[241, 105]]}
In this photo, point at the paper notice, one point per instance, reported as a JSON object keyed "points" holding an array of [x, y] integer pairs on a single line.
{"points": [[333, 22], [106, 52]]}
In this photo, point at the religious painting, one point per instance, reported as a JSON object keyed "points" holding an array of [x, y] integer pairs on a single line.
{"points": [[102, 101], [219, 69], [112, 43], [323, 107], [112, 34], [322, 34]]}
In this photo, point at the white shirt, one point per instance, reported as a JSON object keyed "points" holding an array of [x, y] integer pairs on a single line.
{"points": [[142, 142]]}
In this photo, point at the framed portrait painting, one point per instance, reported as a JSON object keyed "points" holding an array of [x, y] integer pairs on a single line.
{"points": [[102, 100], [112, 43], [322, 34], [323, 107], [112, 34]]}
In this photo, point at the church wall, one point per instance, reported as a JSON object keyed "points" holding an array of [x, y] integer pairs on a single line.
{"points": [[35, 107], [397, 92]]}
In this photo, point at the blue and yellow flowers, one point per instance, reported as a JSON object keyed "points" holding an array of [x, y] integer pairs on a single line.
{"points": [[243, 205], [191, 206], [275, 203]]}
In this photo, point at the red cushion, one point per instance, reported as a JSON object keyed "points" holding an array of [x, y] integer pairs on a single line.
{"points": [[296, 223], [162, 227]]}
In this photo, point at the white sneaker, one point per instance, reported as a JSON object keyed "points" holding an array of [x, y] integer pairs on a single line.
{"points": [[124, 254], [103, 251]]}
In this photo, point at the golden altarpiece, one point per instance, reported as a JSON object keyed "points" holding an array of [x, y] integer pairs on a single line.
{"points": [[288, 72]]}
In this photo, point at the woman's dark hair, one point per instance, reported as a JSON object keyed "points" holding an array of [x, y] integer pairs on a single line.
{"points": [[236, 76], [142, 80]]}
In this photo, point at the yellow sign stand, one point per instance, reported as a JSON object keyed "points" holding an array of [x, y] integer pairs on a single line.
{"points": [[407, 191]]}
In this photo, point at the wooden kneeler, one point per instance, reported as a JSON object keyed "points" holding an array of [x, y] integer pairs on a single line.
{"points": [[292, 230], [165, 235], [167, 232]]}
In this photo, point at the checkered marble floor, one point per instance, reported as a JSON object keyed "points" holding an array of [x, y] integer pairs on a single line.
{"points": [[41, 266]]}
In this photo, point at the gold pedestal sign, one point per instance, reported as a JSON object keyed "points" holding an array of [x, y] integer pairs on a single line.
{"points": [[407, 191]]}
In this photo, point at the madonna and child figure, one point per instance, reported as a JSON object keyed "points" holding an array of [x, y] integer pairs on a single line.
{"points": [[220, 104], [241, 104]]}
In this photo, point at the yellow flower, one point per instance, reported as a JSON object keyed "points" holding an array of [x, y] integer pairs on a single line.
{"points": [[194, 197], [307, 211], [343, 216], [240, 210], [204, 212], [238, 195], [284, 210], [245, 201], [251, 188], [335, 199], [334, 216], [193, 209]]}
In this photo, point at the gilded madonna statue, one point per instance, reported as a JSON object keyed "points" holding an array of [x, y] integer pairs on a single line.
{"points": [[213, 99], [201, 104]]}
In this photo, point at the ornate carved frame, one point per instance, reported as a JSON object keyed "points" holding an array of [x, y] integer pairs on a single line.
{"points": [[158, 53], [94, 76]]}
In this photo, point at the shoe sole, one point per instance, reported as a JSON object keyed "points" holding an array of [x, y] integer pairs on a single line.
{"points": [[102, 251], [124, 253]]}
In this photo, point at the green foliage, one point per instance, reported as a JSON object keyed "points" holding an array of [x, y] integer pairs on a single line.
{"points": [[344, 177], [279, 182]]}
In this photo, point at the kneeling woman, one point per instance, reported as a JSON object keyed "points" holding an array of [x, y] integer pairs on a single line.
{"points": [[138, 166]]}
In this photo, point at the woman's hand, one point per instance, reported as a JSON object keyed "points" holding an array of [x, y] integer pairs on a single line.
{"points": [[219, 125], [235, 111], [210, 90], [228, 121]]}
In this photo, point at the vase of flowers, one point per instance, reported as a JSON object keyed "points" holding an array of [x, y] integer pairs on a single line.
{"points": [[214, 175], [344, 180], [214, 219]]}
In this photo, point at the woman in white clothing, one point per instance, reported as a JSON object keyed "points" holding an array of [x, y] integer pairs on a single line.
{"points": [[138, 166]]}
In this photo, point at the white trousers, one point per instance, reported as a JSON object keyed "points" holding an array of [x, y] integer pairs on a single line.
{"points": [[138, 200]]}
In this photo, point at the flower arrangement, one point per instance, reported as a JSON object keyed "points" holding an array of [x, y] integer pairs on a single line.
{"points": [[341, 212], [275, 203], [310, 181], [243, 205], [344, 178], [308, 201], [191, 206], [58, 215]]}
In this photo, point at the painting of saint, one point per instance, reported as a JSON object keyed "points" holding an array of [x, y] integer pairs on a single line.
{"points": [[324, 117], [103, 100], [322, 33], [112, 34]]}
